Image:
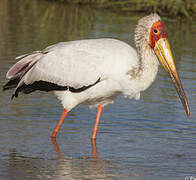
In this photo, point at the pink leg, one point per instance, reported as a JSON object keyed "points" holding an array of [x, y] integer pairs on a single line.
{"points": [[64, 114], [97, 120]]}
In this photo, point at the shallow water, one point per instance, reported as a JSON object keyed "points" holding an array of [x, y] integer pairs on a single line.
{"points": [[148, 139]]}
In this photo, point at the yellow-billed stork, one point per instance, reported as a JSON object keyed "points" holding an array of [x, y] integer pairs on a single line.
{"points": [[95, 71]]}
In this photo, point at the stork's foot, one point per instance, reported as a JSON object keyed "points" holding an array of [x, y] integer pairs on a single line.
{"points": [[94, 148], [56, 147]]}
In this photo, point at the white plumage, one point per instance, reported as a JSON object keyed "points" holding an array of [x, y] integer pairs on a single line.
{"points": [[82, 63], [87, 64]]}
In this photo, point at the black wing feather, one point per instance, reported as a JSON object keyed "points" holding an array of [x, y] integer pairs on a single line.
{"points": [[48, 86]]}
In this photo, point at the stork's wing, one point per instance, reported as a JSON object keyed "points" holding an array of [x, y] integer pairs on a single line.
{"points": [[74, 65], [74, 68], [62, 68]]}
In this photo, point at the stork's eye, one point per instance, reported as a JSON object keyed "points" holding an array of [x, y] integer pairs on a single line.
{"points": [[155, 31]]}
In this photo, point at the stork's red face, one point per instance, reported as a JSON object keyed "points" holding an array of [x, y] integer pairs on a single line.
{"points": [[159, 43], [158, 30]]}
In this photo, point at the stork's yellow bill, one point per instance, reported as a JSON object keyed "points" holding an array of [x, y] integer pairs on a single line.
{"points": [[159, 42]]}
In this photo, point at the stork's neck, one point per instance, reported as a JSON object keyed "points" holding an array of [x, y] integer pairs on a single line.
{"points": [[147, 64]]}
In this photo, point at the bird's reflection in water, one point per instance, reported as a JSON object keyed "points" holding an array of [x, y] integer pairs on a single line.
{"points": [[62, 167], [93, 145], [90, 166], [65, 167]]}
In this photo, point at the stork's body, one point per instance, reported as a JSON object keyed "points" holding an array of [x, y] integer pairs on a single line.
{"points": [[92, 71], [82, 66]]}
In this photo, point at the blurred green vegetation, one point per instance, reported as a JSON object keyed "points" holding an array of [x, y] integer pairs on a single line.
{"points": [[186, 8], [47, 22]]}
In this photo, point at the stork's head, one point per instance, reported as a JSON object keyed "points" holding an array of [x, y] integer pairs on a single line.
{"points": [[152, 30]]}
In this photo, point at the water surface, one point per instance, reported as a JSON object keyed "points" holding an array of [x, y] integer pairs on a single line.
{"points": [[148, 139]]}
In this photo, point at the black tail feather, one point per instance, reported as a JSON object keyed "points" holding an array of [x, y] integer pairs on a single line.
{"points": [[12, 83]]}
